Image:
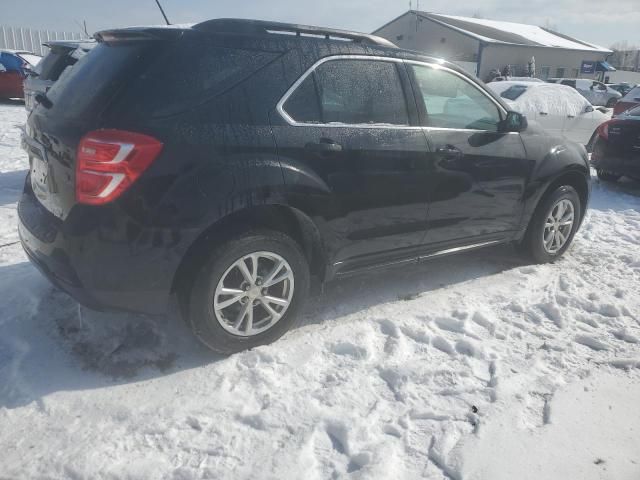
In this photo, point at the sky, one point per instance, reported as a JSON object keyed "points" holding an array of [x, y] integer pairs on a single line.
{"points": [[603, 22]]}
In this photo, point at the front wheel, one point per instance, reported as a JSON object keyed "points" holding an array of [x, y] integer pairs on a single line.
{"points": [[249, 292], [553, 225], [607, 176]]}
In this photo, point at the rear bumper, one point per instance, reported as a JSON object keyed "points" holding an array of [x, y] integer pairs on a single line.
{"points": [[95, 261], [621, 163]]}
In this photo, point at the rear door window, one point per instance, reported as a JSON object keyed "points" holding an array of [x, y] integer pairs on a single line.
{"points": [[351, 92]]}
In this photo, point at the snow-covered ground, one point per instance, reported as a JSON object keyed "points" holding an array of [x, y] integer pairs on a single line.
{"points": [[470, 367]]}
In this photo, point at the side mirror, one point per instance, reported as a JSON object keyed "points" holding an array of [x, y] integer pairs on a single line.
{"points": [[515, 122], [588, 109], [2, 68]]}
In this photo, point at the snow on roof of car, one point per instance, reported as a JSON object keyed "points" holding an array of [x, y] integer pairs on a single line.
{"points": [[495, 31], [542, 97]]}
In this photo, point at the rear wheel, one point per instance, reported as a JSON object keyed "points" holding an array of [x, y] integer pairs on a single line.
{"points": [[607, 176], [553, 225], [249, 292]]}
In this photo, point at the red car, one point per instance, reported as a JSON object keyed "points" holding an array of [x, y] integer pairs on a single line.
{"points": [[14, 66], [631, 99]]}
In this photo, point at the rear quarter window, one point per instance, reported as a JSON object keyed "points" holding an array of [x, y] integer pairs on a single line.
{"points": [[189, 73]]}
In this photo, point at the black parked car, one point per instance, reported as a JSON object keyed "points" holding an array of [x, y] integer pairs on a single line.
{"points": [[62, 55], [262, 154], [616, 151]]}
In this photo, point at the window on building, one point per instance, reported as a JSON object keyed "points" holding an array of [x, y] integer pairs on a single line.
{"points": [[575, 72], [545, 72], [560, 72]]}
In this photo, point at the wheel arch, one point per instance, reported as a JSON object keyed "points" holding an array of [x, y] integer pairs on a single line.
{"points": [[575, 178], [278, 217]]}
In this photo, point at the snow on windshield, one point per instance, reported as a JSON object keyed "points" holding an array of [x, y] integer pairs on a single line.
{"points": [[30, 58]]}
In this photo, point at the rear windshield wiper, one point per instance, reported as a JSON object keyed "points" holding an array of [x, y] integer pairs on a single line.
{"points": [[43, 100]]}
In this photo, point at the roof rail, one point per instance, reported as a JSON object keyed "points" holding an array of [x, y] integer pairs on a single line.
{"points": [[261, 27]]}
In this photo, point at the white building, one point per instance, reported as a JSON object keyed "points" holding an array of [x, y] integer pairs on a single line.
{"points": [[481, 45]]}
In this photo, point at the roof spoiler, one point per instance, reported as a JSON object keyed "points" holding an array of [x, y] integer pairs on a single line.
{"points": [[137, 34], [260, 27]]}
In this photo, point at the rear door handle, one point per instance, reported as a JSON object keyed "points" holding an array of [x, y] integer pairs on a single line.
{"points": [[544, 114], [571, 116], [324, 145]]}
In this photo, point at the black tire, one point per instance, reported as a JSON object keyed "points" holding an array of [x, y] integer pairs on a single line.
{"points": [[607, 176], [533, 243], [199, 300], [611, 102]]}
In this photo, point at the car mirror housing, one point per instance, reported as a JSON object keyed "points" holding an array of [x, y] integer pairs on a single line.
{"points": [[2, 68], [514, 122], [588, 109]]}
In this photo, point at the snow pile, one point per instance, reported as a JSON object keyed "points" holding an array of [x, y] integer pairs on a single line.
{"points": [[463, 367]]}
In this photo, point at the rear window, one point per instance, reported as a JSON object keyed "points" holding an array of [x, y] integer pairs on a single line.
{"points": [[54, 64], [633, 93], [190, 72], [634, 112], [513, 92], [85, 89]]}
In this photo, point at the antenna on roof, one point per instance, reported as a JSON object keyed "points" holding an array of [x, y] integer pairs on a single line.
{"points": [[162, 11]]}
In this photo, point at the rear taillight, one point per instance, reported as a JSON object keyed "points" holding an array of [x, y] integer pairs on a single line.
{"points": [[603, 129], [109, 162]]}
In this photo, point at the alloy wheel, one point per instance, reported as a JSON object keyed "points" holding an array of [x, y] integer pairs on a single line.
{"points": [[253, 293], [558, 225]]}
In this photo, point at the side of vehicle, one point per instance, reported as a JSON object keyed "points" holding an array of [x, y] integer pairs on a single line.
{"points": [[559, 109], [622, 88], [596, 92], [62, 55], [630, 100], [261, 160], [14, 66], [616, 151]]}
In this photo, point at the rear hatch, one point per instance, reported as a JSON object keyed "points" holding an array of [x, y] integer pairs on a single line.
{"points": [[624, 133], [76, 104], [145, 81]]}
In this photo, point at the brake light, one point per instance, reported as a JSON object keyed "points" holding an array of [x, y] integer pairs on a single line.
{"points": [[109, 161], [603, 129]]}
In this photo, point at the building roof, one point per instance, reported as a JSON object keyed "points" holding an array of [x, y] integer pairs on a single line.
{"points": [[493, 31]]}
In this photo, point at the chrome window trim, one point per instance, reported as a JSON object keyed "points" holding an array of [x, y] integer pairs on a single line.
{"points": [[287, 118], [291, 121]]}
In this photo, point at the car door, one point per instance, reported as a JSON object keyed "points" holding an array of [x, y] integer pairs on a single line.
{"points": [[478, 173], [352, 159], [581, 118], [584, 88]]}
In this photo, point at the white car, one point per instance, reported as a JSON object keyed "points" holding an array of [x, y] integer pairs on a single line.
{"points": [[596, 92], [559, 109]]}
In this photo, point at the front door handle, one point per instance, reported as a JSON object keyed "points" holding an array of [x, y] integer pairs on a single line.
{"points": [[571, 116], [449, 152], [544, 114], [324, 145]]}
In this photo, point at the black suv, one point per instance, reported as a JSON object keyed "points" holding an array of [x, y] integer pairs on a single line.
{"points": [[229, 162]]}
